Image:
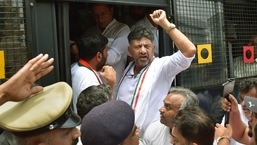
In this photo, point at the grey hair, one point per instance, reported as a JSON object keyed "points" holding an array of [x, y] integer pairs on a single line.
{"points": [[190, 98], [140, 32]]}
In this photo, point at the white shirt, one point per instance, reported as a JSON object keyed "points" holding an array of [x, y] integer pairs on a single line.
{"points": [[156, 134], [81, 78], [147, 24], [116, 33], [155, 87]]}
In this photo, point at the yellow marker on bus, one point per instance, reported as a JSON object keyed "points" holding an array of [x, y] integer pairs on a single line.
{"points": [[2, 65], [204, 53]]}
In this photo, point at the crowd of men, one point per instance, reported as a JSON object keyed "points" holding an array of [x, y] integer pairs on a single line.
{"points": [[111, 103]]}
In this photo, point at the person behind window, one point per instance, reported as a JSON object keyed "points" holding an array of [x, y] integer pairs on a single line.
{"points": [[242, 69], [115, 31]]}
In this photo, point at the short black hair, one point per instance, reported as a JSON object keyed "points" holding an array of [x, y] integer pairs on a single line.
{"points": [[91, 97], [247, 84], [192, 122], [89, 45], [91, 5], [140, 32]]}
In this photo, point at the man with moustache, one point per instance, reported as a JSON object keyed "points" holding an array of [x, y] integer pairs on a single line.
{"points": [[147, 79], [91, 65], [159, 132]]}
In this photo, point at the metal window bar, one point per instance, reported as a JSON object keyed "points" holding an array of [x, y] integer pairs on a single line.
{"points": [[240, 26], [13, 36], [202, 21]]}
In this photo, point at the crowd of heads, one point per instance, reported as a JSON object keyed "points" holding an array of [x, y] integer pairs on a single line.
{"points": [[104, 122], [48, 117]]}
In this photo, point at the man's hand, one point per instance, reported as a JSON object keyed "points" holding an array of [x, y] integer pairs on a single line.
{"points": [[109, 74], [223, 131], [181, 41], [229, 106], [19, 86], [158, 17]]}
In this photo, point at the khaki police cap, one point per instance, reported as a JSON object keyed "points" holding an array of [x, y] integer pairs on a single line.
{"points": [[42, 112]]}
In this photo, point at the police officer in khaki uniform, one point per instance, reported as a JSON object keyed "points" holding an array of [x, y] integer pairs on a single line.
{"points": [[43, 119]]}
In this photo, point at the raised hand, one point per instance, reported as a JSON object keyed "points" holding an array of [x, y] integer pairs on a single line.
{"points": [[19, 86], [158, 16], [109, 74]]}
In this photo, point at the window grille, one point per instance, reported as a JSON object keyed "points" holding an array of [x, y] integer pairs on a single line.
{"points": [[216, 23], [13, 36]]}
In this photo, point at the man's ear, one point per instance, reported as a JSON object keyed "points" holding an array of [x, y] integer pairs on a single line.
{"points": [[99, 56], [129, 50]]}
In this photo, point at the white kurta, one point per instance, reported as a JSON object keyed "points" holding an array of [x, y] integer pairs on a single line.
{"points": [[154, 89], [156, 134]]}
